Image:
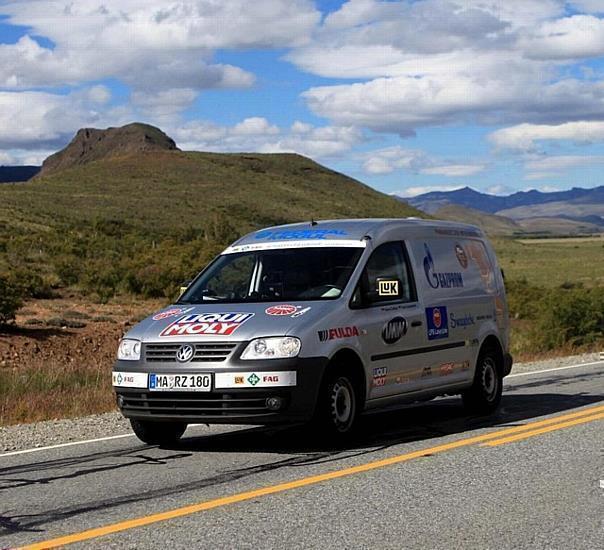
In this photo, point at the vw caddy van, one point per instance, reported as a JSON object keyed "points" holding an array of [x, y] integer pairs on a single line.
{"points": [[322, 321]]}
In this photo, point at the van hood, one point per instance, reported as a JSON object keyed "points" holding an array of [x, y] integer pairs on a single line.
{"points": [[230, 322]]}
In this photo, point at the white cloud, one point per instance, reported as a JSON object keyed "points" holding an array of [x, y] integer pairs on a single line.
{"points": [[390, 159], [434, 62], [35, 119], [579, 36], [454, 170], [151, 45], [256, 134], [554, 164], [522, 137]]}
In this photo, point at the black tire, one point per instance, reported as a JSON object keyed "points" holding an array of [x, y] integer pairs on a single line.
{"points": [[158, 433], [484, 395], [339, 405]]}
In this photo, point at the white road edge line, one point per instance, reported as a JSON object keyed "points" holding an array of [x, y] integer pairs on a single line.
{"points": [[70, 444], [109, 438], [555, 369]]}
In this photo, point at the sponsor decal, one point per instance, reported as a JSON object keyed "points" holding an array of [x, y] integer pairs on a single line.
{"points": [[388, 288], [299, 234], [394, 330], [254, 380], [462, 257], [285, 245], [286, 310], [447, 368], [281, 309], [436, 279], [437, 322], [465, 365], [426, 372], [465, 321], [129, 379], [402, 380], [337, 333], [379, 376], [170, 313], [201, 324]]}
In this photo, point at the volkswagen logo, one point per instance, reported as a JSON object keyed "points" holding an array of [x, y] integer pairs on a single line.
{"points": [[185, 353]]}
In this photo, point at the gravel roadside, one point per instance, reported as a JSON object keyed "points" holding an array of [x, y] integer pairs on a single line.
{"points": [[55, 432]]}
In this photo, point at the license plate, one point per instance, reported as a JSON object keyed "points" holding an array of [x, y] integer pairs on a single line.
{"points": [[180, 382]]}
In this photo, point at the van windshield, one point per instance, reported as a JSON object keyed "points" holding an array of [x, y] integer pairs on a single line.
{"points": [[274, 276]]}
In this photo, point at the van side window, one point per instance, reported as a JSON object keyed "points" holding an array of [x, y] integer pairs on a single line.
{"points": [[386, 277]]}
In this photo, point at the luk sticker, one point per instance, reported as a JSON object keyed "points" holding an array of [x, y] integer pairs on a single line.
{"points": [[394, 330], [438, 322], [170, 313], [337, 333], [388, 287], [201, 324]]}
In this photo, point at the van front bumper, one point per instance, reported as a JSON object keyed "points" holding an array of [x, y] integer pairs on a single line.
{"points": [[246, 405]]}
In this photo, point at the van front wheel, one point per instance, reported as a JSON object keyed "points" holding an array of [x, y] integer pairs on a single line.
{"points": [[338, 408], [158, 433], [484, 395]]}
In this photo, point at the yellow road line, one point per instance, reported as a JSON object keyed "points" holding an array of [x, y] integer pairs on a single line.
{"points": [[312, 480], [546, 429]]}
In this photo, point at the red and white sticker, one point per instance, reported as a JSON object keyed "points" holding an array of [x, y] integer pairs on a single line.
{"points": [[201, 324], [281, 309], [169, 313]]}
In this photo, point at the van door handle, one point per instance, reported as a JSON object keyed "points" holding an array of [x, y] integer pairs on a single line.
{"points": [[416, 323]]}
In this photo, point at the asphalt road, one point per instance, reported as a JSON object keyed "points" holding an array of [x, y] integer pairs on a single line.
{"points": [[427, 476]]}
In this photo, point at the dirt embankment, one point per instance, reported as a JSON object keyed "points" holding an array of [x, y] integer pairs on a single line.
{"points": [[56, 361]]}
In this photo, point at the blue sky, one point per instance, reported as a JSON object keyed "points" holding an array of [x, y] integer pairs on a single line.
{"points": [[407, 96]]}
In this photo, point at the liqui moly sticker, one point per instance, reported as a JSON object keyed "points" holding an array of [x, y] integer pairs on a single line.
{"points": [[200, 324]]}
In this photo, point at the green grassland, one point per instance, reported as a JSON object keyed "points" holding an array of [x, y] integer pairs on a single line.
{"points": [[553, 262], [143, 223]]}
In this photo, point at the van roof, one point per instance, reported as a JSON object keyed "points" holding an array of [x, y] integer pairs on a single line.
{"points": [[353, 229]]}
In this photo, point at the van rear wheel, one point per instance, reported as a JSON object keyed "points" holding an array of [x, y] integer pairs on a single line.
{"points": [[157, 433], [484, 395]]}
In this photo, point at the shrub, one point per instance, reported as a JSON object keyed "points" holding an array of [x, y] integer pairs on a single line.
{"points": [[11, 299], [574, 317]]}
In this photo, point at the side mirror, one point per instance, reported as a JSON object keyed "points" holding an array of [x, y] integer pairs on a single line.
{"points": [[183, 288]]}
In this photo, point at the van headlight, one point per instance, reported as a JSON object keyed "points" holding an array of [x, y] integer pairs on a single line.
{"points": [[272, 348], [129, 350]]}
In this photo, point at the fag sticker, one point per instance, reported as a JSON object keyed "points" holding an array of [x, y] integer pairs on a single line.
{"points": [[388, 287], [222, 324]]}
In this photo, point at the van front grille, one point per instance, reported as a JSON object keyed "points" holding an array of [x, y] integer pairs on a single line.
{"points": [[216, 352]]}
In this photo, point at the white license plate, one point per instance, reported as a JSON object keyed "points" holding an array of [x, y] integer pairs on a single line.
{"points": [[180, 382]]}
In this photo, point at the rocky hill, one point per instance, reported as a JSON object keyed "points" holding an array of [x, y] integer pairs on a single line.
{"points": [[91, 144]]}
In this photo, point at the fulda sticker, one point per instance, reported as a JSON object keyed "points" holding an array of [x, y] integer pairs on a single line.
{"points": [[337, 333], [394, 330], [281, 309], [199, 324]]}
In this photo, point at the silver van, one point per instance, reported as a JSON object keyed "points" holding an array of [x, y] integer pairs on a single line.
{"points": [[322, 321]]}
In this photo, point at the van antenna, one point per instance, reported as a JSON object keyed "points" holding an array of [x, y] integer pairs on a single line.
{"points": [[313, 222]]}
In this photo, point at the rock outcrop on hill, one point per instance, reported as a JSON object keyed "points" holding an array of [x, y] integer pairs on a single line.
{"points": [[91, 144]]}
